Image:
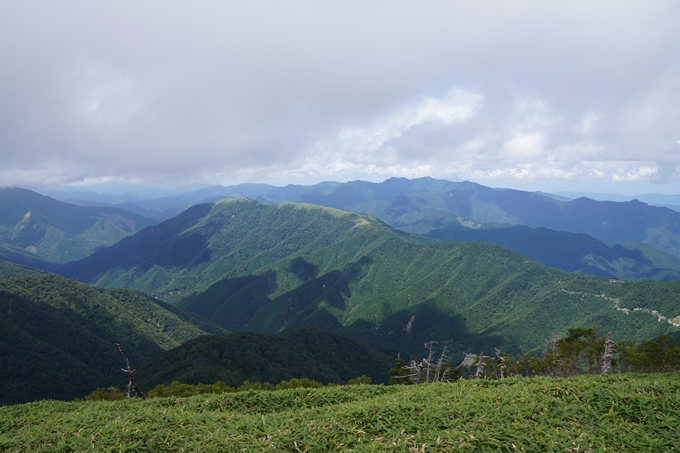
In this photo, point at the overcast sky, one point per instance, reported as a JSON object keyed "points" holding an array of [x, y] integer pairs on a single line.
{"points": [[539, 95]]}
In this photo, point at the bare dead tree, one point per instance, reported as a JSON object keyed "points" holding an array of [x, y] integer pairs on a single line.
{"points": [[501, 360], [481, 365], [427, 370], [441, 370], [551, 356], [608, 354], [132, 384]]}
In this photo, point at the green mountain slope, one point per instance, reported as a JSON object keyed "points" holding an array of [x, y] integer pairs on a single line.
{"points": [[609, 221], [209, 242], [12, 270], [260, 267], [57, 336], [465, 295], [302, 352], [34, 228], [574, 252]]}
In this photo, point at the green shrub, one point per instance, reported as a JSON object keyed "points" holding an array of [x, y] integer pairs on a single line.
{"points": [[110, 394]]}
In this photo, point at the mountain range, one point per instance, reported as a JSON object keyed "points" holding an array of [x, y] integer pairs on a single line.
{"points": [[421, 265], [35, 229], [57, 336], [260, 267], [423, 206], [574, 252]]}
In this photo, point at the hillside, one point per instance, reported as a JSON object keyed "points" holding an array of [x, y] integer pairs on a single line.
{"points": [[587, 413], [12, 270], [258, 267], [574, 252], [35, 228], [425, 204], [412, 205], [208, 242], [302, 352], [466, 295], [57, 336]]}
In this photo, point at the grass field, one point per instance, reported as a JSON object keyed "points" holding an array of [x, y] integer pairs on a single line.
{"points": [[615, 413]]}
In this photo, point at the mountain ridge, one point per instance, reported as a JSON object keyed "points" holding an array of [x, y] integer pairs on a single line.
{"points": [[57, 336], [264, 268], [35, 228]]}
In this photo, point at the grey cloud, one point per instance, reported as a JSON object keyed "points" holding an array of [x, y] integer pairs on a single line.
{"points": [[223, 92]]}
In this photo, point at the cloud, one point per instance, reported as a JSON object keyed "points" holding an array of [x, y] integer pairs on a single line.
{"points": [[223, 93], [588, 123], [666, 172]]}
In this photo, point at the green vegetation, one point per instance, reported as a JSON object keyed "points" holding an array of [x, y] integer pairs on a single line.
{"points": [[256, 267], [209, 242], [184, 390], [35, 229], [579, 352], [11, 270], [572, 252], [626, 412], [57, 336], [309, 352], [424, 204], [473, 296]]}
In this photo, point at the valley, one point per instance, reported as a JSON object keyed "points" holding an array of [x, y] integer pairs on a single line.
{"points": [[260, 270]]}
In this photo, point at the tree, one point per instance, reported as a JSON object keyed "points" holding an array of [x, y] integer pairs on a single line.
{"points": [[128, 369], [400, 374]]}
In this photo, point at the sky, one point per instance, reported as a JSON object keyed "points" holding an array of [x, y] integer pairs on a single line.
{"points": [[534, 95]]}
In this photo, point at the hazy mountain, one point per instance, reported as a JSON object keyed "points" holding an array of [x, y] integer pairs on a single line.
{"points": [[656, 199], [57, 336], [310, 352], [166, 207], [424, 204], [35, 228], [260, 267], [609, 221], [574, 252]]}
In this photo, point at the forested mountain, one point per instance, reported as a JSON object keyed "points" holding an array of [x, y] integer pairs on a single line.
{"points": [[411, 205], [209, 242], [425, 204], [35, 229], [57, 336], [574, 252], [261, 267], [310, 352], [12, 270]]}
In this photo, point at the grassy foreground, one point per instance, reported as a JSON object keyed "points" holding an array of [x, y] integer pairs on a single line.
{"points": [[586, 413]]}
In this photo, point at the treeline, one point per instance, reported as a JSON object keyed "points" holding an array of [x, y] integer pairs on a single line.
{"points": [[579, 352], [178, 389]]}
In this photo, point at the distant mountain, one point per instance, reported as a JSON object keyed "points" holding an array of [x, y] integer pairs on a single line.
{"points": [[129, 207], [574, 252], [302, 352], [252, 266], [57, 336], [425, 204], [655, 199], [631, 221], [166, 207], [35, 228]]}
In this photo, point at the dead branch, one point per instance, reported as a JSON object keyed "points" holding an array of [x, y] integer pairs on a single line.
{"points": [[132, 384]]}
